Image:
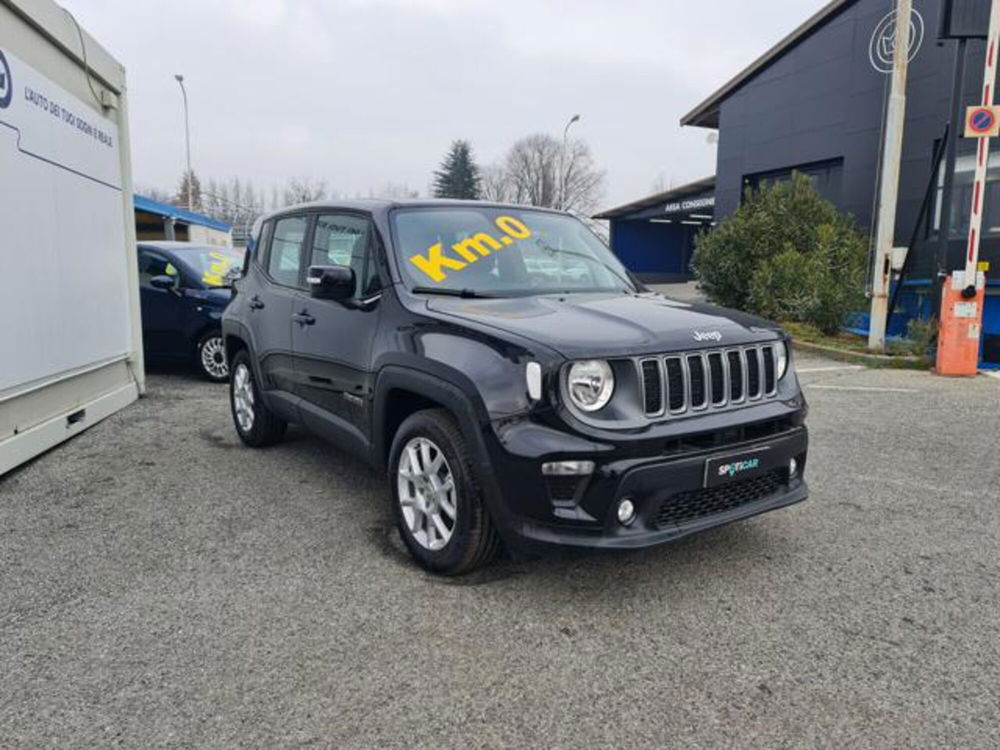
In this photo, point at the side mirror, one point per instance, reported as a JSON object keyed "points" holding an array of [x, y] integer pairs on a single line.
{"points": [[234, 274], [331, 282], [163, 282]]}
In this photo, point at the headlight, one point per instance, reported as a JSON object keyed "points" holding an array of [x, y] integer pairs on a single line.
{"points": [[781, 355], [591, 384]]}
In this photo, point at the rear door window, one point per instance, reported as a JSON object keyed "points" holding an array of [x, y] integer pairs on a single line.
{"points": [[284, 261]]}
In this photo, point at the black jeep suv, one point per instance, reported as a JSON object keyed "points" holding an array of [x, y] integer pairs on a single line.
{"points": [[512, 379]]}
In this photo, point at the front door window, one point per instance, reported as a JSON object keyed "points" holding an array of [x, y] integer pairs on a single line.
{"points": [[343, 240]]}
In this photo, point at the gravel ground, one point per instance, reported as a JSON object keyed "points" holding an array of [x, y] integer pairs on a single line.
{"points": [[160, 585]]}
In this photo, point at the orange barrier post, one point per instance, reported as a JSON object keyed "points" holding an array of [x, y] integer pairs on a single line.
{"points": [[961, 326]]}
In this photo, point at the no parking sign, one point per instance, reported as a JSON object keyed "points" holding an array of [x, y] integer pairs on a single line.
{"points": [[982, 122]]}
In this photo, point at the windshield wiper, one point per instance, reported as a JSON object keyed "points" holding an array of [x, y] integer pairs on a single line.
{"points": [[596, 261], [444, 291]]}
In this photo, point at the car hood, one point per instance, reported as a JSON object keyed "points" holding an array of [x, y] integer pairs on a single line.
{"points": [[608, 325]]}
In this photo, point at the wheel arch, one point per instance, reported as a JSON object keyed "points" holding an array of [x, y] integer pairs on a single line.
{"points": [[234, 343], [402, 391], [237, 337]]}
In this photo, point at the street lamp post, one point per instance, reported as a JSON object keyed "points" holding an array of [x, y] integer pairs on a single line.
{"points": [[562, 163], [187, 143]]}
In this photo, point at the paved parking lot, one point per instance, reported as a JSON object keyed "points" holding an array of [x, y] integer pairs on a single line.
{"points": [[162, 586]]}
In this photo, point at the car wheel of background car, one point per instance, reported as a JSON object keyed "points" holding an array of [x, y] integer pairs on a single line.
{"points": [[256, 425], [437, 504], [211, 353]]}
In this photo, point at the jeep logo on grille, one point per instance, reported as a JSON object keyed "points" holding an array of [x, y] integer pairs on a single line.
{"points": [[707, 335]]}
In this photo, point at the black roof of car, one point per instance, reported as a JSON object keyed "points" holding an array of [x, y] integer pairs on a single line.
{"points": [[173, 246], [384, 205]]}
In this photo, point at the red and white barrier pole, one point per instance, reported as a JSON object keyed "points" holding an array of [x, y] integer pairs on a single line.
{"points": [[983, 154], [964, 292]]}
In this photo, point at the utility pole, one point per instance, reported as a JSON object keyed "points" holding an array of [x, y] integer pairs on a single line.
{"points": [[892, 150], [562, 164], [187, 143]]}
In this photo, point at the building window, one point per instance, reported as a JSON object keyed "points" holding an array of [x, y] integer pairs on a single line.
{"points": [[961, 197], [824, 176]]}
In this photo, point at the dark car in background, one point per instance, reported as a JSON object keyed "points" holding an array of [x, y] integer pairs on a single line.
{"points": [[183, 289]]}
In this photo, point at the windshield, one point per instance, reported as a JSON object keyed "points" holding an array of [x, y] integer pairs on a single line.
{"points": [[211, 264], [501, 252]]}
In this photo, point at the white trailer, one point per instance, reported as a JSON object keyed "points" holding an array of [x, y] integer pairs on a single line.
{"points": [[70, 332]]}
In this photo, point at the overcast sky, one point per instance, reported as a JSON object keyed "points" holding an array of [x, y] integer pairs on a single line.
{"points": [[361, 93]]}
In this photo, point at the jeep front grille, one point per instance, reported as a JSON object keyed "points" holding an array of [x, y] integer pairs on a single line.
{"points": [[652, 386], [708, 380]]}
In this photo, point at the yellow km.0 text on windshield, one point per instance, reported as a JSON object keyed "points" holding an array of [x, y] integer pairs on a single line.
{"points": [[215, 275], [470, 249]]}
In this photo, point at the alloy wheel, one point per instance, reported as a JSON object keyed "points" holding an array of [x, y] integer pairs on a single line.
{"points": [[243, 399], [427, 494]]}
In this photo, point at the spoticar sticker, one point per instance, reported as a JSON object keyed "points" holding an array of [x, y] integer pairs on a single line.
{"points": [[480, 245], [216, 270]]}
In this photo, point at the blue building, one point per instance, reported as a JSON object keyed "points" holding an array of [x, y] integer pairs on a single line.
{"points": [[654, 237], [164, 221]]}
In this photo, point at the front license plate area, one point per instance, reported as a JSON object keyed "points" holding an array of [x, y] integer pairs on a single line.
{"points": [[733, 467]]}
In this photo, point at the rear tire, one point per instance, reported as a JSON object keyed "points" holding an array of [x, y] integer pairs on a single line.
{"points": [[436, 502], [210, 357], [255, 423]]}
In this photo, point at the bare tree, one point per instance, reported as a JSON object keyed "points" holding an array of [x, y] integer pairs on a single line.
{"points": [[189, 195], [532, 167], [582, 183], [235, 202], [538, 171], [394, 191], [495, 184], [155, 193], [303, 190]]}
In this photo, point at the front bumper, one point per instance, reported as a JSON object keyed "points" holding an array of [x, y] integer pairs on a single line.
{"points": [[668, 491]]}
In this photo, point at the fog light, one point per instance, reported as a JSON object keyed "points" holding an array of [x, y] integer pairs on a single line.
{"points": [[626, 512], [568, 468], [793, 468]]}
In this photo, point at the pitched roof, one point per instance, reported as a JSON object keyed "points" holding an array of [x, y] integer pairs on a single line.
{"points": [[706, 114], [691, 188]]}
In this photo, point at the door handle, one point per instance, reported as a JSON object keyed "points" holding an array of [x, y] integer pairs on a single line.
{"points": [[303, 318], [255, 303]]}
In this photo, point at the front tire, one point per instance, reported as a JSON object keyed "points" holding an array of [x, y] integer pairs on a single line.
{"points": [[255, 423], [437, 504], [210, 355]]}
